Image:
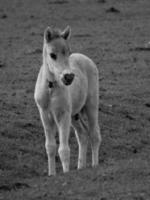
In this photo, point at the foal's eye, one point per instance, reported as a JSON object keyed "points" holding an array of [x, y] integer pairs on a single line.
{"points": [[53, 56]]}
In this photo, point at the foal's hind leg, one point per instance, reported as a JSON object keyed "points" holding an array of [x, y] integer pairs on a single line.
{"points": [[82, 138], [94, 131], [50, 143]]}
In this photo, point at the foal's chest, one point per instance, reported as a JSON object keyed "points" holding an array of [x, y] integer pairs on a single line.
{"points": [[59, 98]]}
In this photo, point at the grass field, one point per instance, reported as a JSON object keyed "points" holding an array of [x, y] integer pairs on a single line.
{"points": [[115, 35]]}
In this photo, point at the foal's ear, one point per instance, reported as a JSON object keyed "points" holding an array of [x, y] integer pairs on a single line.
{"points": [[48, 34], [66, 33]]}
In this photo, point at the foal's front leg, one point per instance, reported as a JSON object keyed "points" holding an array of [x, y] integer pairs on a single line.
{"points": [[82, 138], [63, 120], [50, 143]]}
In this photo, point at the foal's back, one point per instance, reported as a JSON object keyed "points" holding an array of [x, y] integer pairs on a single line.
{"points": [[85, 85]]}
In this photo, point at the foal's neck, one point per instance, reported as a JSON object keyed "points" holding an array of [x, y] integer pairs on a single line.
{"points": [[48, 74]]}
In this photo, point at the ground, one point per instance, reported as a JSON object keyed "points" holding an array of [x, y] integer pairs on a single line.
{"points": [[115, 34]]}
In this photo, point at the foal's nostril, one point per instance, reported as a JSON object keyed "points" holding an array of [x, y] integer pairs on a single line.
{"points": [[68, 78]]}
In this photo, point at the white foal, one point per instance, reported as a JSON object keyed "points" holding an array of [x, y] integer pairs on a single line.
{"points": [[67, 91]]}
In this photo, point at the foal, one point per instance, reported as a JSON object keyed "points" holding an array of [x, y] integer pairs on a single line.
{"points": [[67, 91]]}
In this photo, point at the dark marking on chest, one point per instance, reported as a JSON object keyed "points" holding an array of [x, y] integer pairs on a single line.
{"points": [[50, 84]]}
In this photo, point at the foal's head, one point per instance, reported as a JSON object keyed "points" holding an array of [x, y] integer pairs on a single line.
{"points": [[56, 54]]}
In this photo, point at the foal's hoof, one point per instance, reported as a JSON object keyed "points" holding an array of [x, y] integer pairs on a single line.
{"points": [[51, 175]]}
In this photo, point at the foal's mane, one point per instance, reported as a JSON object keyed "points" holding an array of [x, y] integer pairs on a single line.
{"points": [[56, 33]]}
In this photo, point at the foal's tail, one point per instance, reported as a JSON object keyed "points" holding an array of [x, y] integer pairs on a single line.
{"points": [[81, 119], [83, 122]]}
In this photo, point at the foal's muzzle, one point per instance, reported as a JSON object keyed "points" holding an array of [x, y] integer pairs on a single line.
{"points": [[68, 78]]}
